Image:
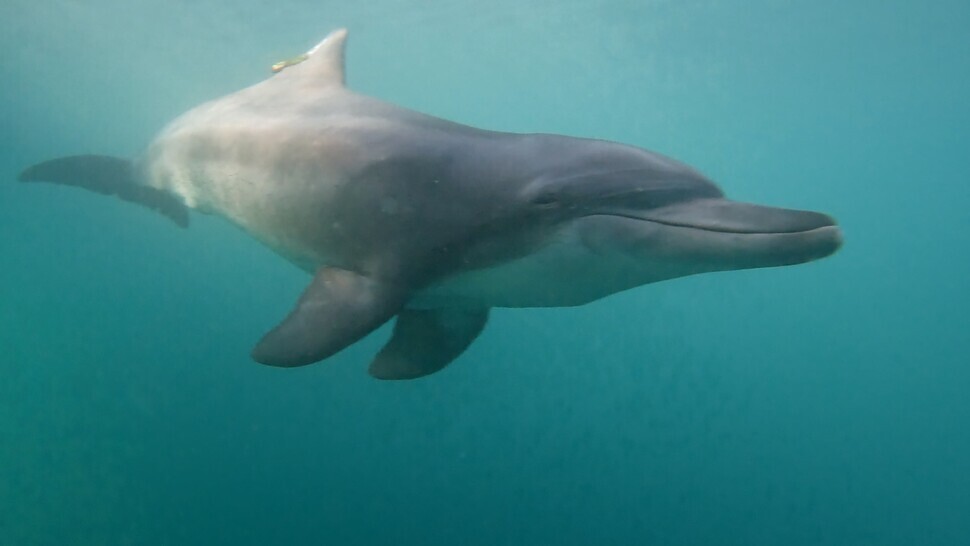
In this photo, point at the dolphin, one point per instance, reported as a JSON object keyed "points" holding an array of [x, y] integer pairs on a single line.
{"points": [[399, 214]]}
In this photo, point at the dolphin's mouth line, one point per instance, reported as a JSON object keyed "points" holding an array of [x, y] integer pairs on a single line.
{"points": [[712, 229]]}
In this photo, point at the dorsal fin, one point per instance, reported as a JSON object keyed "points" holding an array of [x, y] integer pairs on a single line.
{"points": [[326, 60]]}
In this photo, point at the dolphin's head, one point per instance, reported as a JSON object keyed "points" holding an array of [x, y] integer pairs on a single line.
{"points": [[627, 217]]}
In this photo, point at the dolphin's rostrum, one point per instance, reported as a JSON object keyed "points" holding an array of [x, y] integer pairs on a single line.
{"points": [[399, 214]]}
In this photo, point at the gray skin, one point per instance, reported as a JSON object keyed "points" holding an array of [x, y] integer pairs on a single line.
{"points": [[401, 214]]}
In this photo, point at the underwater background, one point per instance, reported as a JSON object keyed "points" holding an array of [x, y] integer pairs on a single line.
{"points": [[820, 404]]}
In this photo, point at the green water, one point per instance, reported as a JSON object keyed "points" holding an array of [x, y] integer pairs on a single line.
{"points": [[819, 404]]}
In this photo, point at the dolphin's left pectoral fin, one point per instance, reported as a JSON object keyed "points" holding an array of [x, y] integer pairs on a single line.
{"points": [[425, 341], [337, 309]]}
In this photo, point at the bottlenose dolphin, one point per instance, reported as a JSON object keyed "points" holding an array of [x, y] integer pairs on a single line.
{"points": [[400, 214]]}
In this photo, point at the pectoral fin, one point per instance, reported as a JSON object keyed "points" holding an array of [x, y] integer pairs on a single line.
{"points": [[337, 309], [425, 341]]}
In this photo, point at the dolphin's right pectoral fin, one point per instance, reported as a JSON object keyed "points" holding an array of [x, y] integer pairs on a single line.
{"points": [[338, 308], [425, 341]]}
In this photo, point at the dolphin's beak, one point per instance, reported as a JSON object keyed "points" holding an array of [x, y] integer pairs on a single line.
{"points": [[714, 234], [723, 215]]}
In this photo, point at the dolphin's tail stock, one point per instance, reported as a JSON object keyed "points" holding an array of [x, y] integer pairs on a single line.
{"points": [[109, 176]]}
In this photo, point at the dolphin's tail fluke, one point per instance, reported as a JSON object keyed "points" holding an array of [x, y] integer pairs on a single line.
{"points": [[108, 176]]}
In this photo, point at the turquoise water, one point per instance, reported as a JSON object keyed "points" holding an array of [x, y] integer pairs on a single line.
{"points": [[819, 404]]}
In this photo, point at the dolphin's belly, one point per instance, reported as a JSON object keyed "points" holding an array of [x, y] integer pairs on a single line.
{"points": [[563, 272]]}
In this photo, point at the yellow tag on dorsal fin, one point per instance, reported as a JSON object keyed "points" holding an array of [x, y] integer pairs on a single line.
{"points": [[289, 62]]}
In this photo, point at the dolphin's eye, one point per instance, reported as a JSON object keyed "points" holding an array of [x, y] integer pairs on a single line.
{"points": [[546, 200]]}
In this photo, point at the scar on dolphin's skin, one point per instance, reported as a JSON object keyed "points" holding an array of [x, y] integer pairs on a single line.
{"points": [[480, 218]]}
